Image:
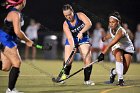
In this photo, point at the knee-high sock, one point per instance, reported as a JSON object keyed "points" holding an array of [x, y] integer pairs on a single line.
{"points": [[119, 69], [0, 65], [13, 75], [87, 73], [67, 70]]}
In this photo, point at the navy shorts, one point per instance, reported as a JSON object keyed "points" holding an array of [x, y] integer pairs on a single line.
{"points": [[7, 40], [84, 40]]}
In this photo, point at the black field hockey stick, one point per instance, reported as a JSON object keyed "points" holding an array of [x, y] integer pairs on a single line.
{"points": [[79, 70], [64, 67], [47, 47]]}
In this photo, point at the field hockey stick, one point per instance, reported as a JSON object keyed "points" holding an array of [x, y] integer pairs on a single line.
{"points": [[79, 70], [47, 47], [64, 67]]}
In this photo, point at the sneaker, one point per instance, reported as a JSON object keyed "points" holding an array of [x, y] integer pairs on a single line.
{"points": [[8, 91], [89, 82], [13, 91], [62, 82], [121, 82], [112, 76]]}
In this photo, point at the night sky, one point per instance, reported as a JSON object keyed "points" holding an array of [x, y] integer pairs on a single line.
{"points": [[49, 12]]}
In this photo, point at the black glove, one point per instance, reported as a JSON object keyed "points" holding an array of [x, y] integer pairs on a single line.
{"points": [[101, 57]]}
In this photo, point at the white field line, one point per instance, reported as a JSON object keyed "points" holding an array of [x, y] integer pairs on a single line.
{"points": [[76, 75]]}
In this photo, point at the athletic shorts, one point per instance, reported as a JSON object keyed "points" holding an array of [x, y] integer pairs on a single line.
{"points": [[84, 40], [7, 40], [128, 49], [124, 52]]}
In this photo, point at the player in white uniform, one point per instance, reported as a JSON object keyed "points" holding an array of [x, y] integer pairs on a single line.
{"points": [[32, 34], [122, 48], [96, 40], [137, 42]]}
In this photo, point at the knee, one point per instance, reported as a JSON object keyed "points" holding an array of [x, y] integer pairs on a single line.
{"points": [[86, 56], [119, 59], [6, 69], [16, 64]]}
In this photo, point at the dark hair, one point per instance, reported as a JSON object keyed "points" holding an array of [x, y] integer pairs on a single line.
{"points": [[116, 14], [67, 7], [3, 11]]}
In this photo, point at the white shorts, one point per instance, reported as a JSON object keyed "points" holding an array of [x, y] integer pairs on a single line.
{"points": [[129, 49]]}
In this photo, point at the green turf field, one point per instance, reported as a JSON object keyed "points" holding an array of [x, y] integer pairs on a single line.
{"points": [[32, 81]]}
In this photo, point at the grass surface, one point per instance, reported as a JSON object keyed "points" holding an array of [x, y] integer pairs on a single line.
{"points": [[33, 81]]}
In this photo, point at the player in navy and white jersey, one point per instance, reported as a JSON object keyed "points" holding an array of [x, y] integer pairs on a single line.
{"points": [[10, 31], [76, 28], [122, 48]]}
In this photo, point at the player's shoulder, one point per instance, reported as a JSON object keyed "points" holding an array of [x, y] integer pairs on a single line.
{"points": [[14, 14], [80, 14], [65, 24], [121, 30]]}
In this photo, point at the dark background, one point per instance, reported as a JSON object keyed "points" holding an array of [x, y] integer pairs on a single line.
{"points": [[49, 12]]}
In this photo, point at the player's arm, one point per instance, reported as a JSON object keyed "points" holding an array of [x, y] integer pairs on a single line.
{"points": [[86, 21], [118, 36], [68, 34], [106, 37], [15, 18]]}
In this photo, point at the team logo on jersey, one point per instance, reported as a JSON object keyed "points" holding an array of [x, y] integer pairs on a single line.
{"points": [[79, 28]]}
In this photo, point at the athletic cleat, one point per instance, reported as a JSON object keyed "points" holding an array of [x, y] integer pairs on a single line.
{"points": [[112, 76], [13, 91], [62, 82], [121, 83], [89, 82]]}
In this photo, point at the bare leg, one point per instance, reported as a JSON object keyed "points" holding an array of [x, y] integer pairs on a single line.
{"points": [[86, 55], [13, 55], [68, 50], [127, 61], [6, 64]]}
